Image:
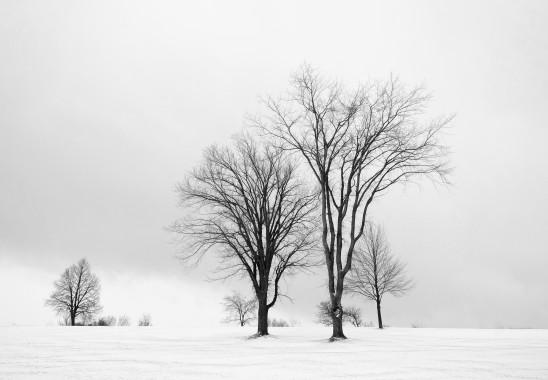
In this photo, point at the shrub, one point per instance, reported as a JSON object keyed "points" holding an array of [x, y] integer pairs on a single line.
{"points": [[123, 320], [277, 322], [145, 320], [108, 320]]}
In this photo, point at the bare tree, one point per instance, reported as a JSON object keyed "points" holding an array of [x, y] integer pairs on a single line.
{"points": [[351, 314], [323, 313], [375, 271], [357, 145], [76, 293], [250, 205], [239, 308]]}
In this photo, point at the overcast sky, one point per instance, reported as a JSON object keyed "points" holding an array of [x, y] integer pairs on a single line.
{"points": [[104, 106]]}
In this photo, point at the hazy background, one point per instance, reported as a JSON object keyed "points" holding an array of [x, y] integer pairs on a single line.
{"points": [[105, 105]]}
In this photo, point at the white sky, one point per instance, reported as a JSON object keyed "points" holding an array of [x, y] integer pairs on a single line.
{"points": [[104, 106]]}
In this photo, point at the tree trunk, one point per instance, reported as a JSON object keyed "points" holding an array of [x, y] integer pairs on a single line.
{"points": [[262, 318], [337, 317], [72, 319], [379, 316]]}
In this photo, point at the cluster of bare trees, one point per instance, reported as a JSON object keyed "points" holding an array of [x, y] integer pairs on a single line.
{"points": [[357, 145], [250, 203], [248, 200]]}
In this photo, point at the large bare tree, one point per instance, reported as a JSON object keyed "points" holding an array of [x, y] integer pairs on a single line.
{"points": [[246, 200], [76, 293], [357, 144], [375, 271], [239, 308]]}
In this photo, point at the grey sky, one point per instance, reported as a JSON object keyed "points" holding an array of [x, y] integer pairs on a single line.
{"points": [[104, 106]]}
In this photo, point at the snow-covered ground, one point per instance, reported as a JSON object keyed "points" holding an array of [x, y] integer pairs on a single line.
{"points": [[290, 353]]}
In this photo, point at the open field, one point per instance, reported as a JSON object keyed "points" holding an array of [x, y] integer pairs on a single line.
{"points": [[290, 353]]}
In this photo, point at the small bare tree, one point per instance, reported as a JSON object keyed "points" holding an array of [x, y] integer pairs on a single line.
{"points": [[76, 293], [247, 201], [323, 313], [352, 314], [239, 308], [375, 271], [357, 145]]}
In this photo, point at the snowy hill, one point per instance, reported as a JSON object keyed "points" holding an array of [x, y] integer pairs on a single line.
{"points": [[289, 353]]}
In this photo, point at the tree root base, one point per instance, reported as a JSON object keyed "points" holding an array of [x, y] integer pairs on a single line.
{"points": [[257, 335], [337, 338]]}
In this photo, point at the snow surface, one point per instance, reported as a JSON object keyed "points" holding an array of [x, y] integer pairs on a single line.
{"points": [[290, 353]]}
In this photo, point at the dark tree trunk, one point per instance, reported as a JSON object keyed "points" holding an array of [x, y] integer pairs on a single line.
{"points": [[379, 316], [262, 317], [72, 319], [337, 317]]}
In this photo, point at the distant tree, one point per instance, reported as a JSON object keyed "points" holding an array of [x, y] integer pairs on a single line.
{"points": [[351, 314], [239, 308], [145, 320], [358, 144], [247, 200], [123, 320], [375, 271], [107, 320], [76, 293], [278, 322]]}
